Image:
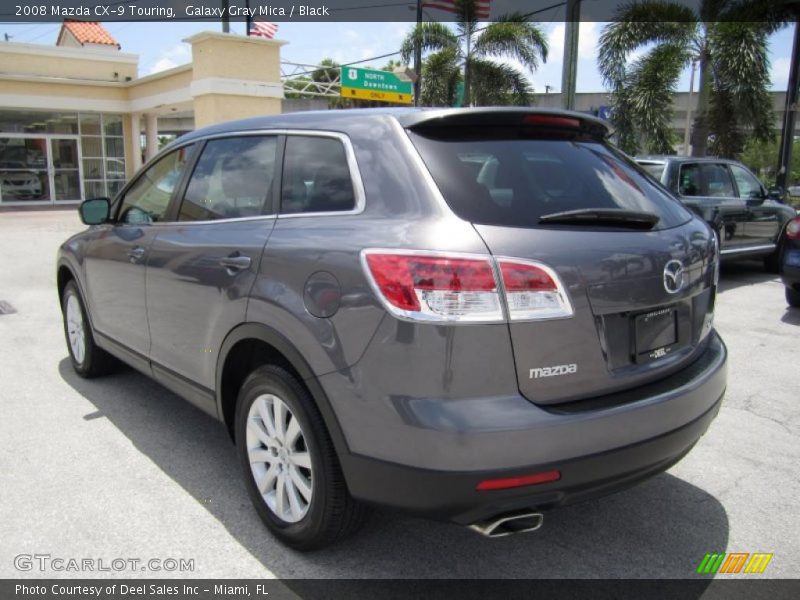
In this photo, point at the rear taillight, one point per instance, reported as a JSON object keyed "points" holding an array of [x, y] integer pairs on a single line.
{"points": [[793, 229], [533, 291], [458, 287]]}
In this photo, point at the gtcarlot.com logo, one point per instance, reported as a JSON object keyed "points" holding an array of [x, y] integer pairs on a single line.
{"points": [[48, 562], [734, 563]]}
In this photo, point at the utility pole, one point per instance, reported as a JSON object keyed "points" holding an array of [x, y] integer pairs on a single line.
{"points": [[226, 23], [418, 57], [688, 129], [789, 116], [569, 72]]}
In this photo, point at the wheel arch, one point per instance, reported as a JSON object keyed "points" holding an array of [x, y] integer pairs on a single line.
{"points": [[251, 345]]}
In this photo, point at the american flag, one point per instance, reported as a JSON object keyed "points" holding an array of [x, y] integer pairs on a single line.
{"points": [[263, 29], [481, 6]]}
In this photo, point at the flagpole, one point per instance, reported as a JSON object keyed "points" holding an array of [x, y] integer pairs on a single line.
{"points": [[247, 19], [418, 56]]}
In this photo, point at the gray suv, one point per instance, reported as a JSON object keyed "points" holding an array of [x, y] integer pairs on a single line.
{"points": [[472, 315]]}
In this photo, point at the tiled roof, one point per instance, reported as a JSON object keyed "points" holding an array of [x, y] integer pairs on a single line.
{"points": [[87, 32]]}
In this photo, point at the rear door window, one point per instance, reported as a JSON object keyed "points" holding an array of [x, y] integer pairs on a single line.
{"points": [[316, 176], [514, 182]]}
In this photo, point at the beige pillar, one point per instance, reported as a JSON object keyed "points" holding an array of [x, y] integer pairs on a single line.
{"points": [[136, 142], [151, 135], [234, 77]]}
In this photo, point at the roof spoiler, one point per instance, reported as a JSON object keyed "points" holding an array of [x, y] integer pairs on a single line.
{"points": [[506, 116]]}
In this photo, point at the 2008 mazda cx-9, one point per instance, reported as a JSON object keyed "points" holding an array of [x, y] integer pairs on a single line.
{"points": [[473, 315]]}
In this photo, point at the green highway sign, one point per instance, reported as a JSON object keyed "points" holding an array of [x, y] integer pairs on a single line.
{"points": [[371, 84]]}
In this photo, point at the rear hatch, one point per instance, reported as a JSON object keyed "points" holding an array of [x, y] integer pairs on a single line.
{"points": [[636, 270]]}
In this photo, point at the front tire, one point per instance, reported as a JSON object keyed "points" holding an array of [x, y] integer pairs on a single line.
{"points": [[793, 297], [290, 466], [88, 359]]}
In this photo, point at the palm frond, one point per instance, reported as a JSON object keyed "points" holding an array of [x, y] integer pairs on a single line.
{"points": [[441, 73], [498, 84], [638, 24], [431, 37], [512, 36], [740, 66], [652, 81]]}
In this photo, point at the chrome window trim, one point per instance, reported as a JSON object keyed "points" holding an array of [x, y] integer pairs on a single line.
{"points": [[355, 173]]}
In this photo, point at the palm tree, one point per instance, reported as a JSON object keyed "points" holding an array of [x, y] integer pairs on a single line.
{"points": [[727, 39], [464, 56]]}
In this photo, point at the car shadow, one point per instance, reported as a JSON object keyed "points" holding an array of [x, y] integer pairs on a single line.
{"points": [[791, 316], [661, 528], [741, 273]]}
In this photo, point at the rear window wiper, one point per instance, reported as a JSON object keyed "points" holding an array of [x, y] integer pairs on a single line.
{"points": [[603, 217]]}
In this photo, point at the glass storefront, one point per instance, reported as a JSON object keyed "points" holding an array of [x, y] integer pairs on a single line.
{"points": [[50, 157]]}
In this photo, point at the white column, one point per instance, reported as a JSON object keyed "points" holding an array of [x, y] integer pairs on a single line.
{"points": [[136, 142], [151, 135]]}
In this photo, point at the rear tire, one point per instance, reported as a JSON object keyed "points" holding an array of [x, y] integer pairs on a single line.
{"points": [[289, 463], [793, 297], [88, 359]]}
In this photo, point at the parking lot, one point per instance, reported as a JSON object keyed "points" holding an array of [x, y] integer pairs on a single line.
{"points": [[121, 468]]}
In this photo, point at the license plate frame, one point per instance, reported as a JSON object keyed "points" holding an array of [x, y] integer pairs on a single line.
{"points": [[655, 334]]}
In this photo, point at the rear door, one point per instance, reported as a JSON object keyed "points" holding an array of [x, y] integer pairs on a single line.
{"points": [[533, 198], [202, 266]]}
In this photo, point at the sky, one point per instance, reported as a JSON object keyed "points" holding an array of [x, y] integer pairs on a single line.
{"points": [[159, 46]]}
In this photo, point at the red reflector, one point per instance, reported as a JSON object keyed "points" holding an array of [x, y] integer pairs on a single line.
{"points": [[793, 229], [518, 277], [513, 482], [399, 275], [551, 121]]}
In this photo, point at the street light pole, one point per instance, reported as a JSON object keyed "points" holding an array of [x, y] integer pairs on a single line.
{"points": [[569, 70], [226, 23], [687, 130], [790, 112], [418, 56]]}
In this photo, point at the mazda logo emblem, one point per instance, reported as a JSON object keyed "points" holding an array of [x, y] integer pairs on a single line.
{"points": [[673, 277]]}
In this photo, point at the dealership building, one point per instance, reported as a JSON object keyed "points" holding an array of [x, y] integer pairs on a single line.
{"points": [[76, 120]]}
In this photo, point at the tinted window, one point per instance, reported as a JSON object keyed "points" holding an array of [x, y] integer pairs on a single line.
{"points": [[717, 180], [146, 201], [316, 176], [232, 178], [514, 182], [690, 183], [749, 186]]}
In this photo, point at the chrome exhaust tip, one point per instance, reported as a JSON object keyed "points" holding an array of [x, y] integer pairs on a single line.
{"points": [[509, 524]]}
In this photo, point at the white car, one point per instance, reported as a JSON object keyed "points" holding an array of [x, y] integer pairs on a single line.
{"points": [[23, 185]]}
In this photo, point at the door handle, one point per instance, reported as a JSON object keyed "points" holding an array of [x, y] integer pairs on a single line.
{"points": [[235, 262], [136, 254]]}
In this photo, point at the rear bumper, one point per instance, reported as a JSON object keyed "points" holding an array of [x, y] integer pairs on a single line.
{"points": [[452, 496], [599, 449]]}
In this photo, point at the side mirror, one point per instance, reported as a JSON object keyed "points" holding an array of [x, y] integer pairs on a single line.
{"points": [[95, 211], [776, 193]]}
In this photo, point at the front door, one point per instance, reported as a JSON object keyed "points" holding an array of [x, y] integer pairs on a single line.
{"points": [[117, 254], [40, 169]]}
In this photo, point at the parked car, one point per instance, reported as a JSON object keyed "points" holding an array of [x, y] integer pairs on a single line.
{"points": [[750, 221], [794, 191], [473, 315], [20, 185], [790, 272]]}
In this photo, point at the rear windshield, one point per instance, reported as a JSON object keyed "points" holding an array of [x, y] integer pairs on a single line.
{"points": [[514, 182]]}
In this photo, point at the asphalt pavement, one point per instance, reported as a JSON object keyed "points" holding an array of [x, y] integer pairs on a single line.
{"points": [[120, 468]]}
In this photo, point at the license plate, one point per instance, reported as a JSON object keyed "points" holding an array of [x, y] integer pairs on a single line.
{"points": [[656, 333]]}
